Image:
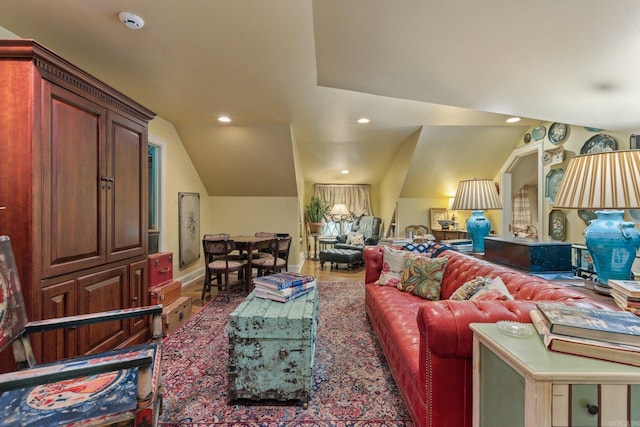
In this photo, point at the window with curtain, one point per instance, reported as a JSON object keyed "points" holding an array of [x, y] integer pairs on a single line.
{"points": [[354, 196], [521, 221]]}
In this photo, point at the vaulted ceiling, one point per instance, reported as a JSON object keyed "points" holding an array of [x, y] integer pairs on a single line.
{"points": [[301, 72]]}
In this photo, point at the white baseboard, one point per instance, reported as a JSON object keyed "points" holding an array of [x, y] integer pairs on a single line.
{"points": [[194, 276]]}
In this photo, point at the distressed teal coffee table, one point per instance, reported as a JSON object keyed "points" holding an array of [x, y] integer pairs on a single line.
{"points": [[271, 348]]}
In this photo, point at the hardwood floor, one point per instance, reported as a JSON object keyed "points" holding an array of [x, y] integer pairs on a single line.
{"points": [[194, 290]]}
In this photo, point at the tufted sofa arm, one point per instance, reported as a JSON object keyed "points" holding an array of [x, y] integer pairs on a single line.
{"points": [[372, 257]]}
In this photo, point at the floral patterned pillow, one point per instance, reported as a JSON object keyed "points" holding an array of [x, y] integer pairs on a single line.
{"points": [[496, 290], [422, 276], [392, 265], [467, 290]]}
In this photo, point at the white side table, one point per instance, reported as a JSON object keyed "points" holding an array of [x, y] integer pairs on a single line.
{"points": [[518, 382]]}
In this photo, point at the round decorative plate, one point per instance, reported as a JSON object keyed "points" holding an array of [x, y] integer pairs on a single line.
{"points": [[593, 129], [515, 329], [557, 133], [598, 144], [538, 132]]}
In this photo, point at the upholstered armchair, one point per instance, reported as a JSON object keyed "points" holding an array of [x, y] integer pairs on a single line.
{"points": [[365, 231]]}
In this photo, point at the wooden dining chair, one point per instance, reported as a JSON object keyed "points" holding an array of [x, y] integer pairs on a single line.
{"points": [[278, 258], [219, 265], [264, 252], [113, 387]]}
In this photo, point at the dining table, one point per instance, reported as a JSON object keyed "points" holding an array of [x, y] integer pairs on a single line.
{"points": [[249, 244]]}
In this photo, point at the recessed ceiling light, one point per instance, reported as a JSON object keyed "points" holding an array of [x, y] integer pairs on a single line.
{"points": [[131, 20], [224, 119], [344, 171], [513, 119], [363, 120]]}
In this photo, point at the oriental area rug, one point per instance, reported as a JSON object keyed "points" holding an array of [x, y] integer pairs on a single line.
{"points": [[352, 384]]}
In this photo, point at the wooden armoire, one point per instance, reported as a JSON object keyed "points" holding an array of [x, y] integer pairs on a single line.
{"points": [[73, 197]]}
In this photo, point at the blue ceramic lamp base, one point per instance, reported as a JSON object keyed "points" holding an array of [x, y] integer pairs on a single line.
{"points": [[478, 228], [612, 244]]}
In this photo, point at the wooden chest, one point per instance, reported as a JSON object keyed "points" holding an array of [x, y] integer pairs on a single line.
{"points": [[175, 314], [528, 254], [165, 294], [271, 348], [160, 268]]}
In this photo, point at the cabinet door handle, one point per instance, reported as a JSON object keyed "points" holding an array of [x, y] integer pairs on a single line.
{"points": [[592, 409], [107, 178], [134, 299]]}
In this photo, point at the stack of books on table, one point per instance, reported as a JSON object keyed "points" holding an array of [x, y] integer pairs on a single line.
{"points": [[626, 294], [461, 245], [600, 334], [283, 287]]}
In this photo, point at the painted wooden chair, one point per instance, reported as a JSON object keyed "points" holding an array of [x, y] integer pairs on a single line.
{"points": [[278, 258], [219, 264], [119, 386]]}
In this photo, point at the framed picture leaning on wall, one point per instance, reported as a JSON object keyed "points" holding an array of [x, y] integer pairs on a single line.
{"points": [[435, 215], [189, 223]]}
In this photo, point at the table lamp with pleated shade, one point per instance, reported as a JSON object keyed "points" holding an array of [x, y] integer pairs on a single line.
{"points": [[477, 195], [606, 182]]}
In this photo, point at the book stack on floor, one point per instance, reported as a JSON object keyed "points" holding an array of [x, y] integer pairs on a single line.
{"points": [[283, 287], [626, 294], [600, 334]]}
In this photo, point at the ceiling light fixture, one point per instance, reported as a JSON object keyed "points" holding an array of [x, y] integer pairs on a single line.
{"points": [[363, 120], [344, 171], [224, 119], [131, 20], [513, 119]]}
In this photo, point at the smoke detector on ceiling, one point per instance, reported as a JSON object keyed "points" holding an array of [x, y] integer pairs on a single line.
{"points": [[131, 20]]}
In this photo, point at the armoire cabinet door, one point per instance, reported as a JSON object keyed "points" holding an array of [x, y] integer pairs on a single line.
{"points": [[126, 156], [73, 218], [138, 293], [102, 291], [57, 301]]}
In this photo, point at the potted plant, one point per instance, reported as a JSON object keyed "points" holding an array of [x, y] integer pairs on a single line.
{"points": [[315, 212]]}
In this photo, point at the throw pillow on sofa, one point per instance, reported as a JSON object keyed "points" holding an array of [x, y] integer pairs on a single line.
{"points": [[422, 276], [467, 290], [354, 238], [496, 290], [392, 265]]}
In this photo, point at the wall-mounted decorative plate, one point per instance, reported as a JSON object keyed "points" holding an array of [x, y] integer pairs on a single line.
{"points": [[538, 132], [587, 215], [593, 129], [554, 156], [554, 177], [557, 133], [599, 143], [557, 225], [635, 214], [527, 138]]}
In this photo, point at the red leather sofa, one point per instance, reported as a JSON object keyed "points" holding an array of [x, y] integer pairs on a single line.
{"points": [[428, 344]]}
